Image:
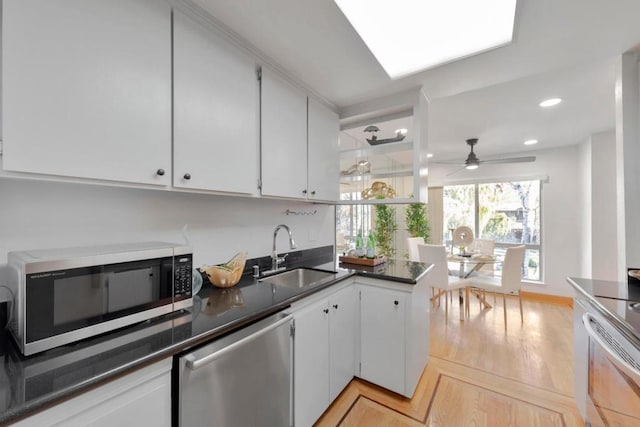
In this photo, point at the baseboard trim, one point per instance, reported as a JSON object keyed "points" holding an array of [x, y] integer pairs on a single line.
{"points": [[552, 299]]}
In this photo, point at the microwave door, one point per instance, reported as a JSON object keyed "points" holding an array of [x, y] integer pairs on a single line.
{"points": [[78, 297], [133, 288]]}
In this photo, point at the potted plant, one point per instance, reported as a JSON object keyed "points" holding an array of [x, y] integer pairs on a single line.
{"points": [[386, 227], [416, 219]]}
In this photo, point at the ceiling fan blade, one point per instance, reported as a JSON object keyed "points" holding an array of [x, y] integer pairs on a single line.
{"points": [[448, 163], [526, 159], [455, 171]]}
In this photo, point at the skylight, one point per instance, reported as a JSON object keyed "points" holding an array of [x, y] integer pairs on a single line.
{"points": [[407, 36]]}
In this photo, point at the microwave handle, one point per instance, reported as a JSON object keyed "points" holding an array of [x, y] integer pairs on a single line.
{"points": [[613, 354]]}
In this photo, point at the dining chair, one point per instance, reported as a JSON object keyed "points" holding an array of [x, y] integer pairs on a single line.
{"points": [[484, 247], [412, 247], [439, 277], [509, 284]]}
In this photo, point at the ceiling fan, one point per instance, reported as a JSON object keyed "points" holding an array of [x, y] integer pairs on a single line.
{"points": [[472, 161]]}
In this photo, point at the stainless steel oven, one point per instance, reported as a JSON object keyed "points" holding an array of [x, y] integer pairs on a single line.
{"points": [[65, 295], [613, 374]]}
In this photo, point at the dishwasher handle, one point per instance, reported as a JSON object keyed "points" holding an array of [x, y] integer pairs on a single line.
{"points": [[194, 364]]}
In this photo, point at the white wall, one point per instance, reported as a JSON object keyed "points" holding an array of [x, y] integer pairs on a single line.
{"points": [[585, 192], [561, 223], [41, 214], [604, 251]]}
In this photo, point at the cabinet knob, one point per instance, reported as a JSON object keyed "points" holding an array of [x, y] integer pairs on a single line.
{"points": [[187, 176], [313, 193], [160, 172], [396, 302], [325, 311], [335, 306], [304, 191]]}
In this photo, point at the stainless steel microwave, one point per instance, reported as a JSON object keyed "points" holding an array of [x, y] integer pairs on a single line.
{"points": [[65, 295]]}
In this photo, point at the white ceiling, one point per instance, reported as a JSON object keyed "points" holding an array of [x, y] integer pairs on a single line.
{"points": [[565, 48]]}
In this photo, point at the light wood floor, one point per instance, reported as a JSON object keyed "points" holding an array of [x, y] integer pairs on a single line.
{"points": [[479, 374]]}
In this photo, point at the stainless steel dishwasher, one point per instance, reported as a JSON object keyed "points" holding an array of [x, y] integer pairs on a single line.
{"points": [[243, 379]]}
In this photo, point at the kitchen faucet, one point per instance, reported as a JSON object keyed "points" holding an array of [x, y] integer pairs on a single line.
{"points": [[275, 260]]}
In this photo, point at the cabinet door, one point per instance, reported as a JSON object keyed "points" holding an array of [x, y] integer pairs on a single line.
{"points": [[140, 398], [311, 364], [382, 340], [342, 339], [324, 162], [87, 89], [216, 107], [284, 138], [581, 357]]}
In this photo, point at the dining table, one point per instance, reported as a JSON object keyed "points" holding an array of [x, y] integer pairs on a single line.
{"points": [[466, 266]]}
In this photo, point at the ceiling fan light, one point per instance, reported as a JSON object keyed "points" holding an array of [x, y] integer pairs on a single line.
{"points": [[471, 167], [531, 142], [550, 102]]}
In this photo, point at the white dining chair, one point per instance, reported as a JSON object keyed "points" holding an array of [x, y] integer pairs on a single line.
{"points": [[439, 277], [484, 247], [511, 281], [412, 248]]}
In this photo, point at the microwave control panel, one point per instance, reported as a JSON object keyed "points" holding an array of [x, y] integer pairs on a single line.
{"points": [[183, 265]]}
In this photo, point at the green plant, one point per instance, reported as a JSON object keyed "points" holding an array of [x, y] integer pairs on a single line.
{"points": [[532, 263], [416, 219], [386, 227]]}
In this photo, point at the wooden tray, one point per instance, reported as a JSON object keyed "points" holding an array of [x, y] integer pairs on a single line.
{"points": [[363, 261]]}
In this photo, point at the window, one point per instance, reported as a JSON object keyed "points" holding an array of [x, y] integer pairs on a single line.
{"points": [[507, 212], [351, 219]]}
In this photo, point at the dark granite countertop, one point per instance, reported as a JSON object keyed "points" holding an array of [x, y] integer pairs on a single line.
{"points": [[30, 383], [618, 302], [394, 269]]}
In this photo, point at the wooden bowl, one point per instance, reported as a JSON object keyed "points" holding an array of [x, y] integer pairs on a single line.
{"points": [[228, 274]]}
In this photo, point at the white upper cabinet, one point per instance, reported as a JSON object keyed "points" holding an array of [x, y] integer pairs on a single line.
{"points": [[87, 89], [299, 154], [284, 138], [216, 111], [324, 162]]}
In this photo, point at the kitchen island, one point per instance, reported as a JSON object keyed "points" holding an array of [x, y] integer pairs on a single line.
{"points": [[29, 384]]}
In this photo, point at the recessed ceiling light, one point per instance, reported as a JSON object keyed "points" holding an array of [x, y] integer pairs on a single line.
{"points": [[550, 102], [429, 155], [407, 36], [531, 142], [402, 131]]}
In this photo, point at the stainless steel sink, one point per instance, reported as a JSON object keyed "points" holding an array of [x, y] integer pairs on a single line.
{"points": [[300, 278]]}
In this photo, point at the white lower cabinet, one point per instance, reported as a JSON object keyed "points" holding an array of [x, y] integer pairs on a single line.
{"points": [[343, 309], [140, 398], [581, 357], [375, 329], [324, 351], [382, 337], [394, 333]]}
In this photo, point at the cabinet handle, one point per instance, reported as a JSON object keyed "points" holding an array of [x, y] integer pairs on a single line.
{"points": [[313, 193], [335, 306], [325, 311], [304, 191], [187, 176], [396, 302], [160, 172]]}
